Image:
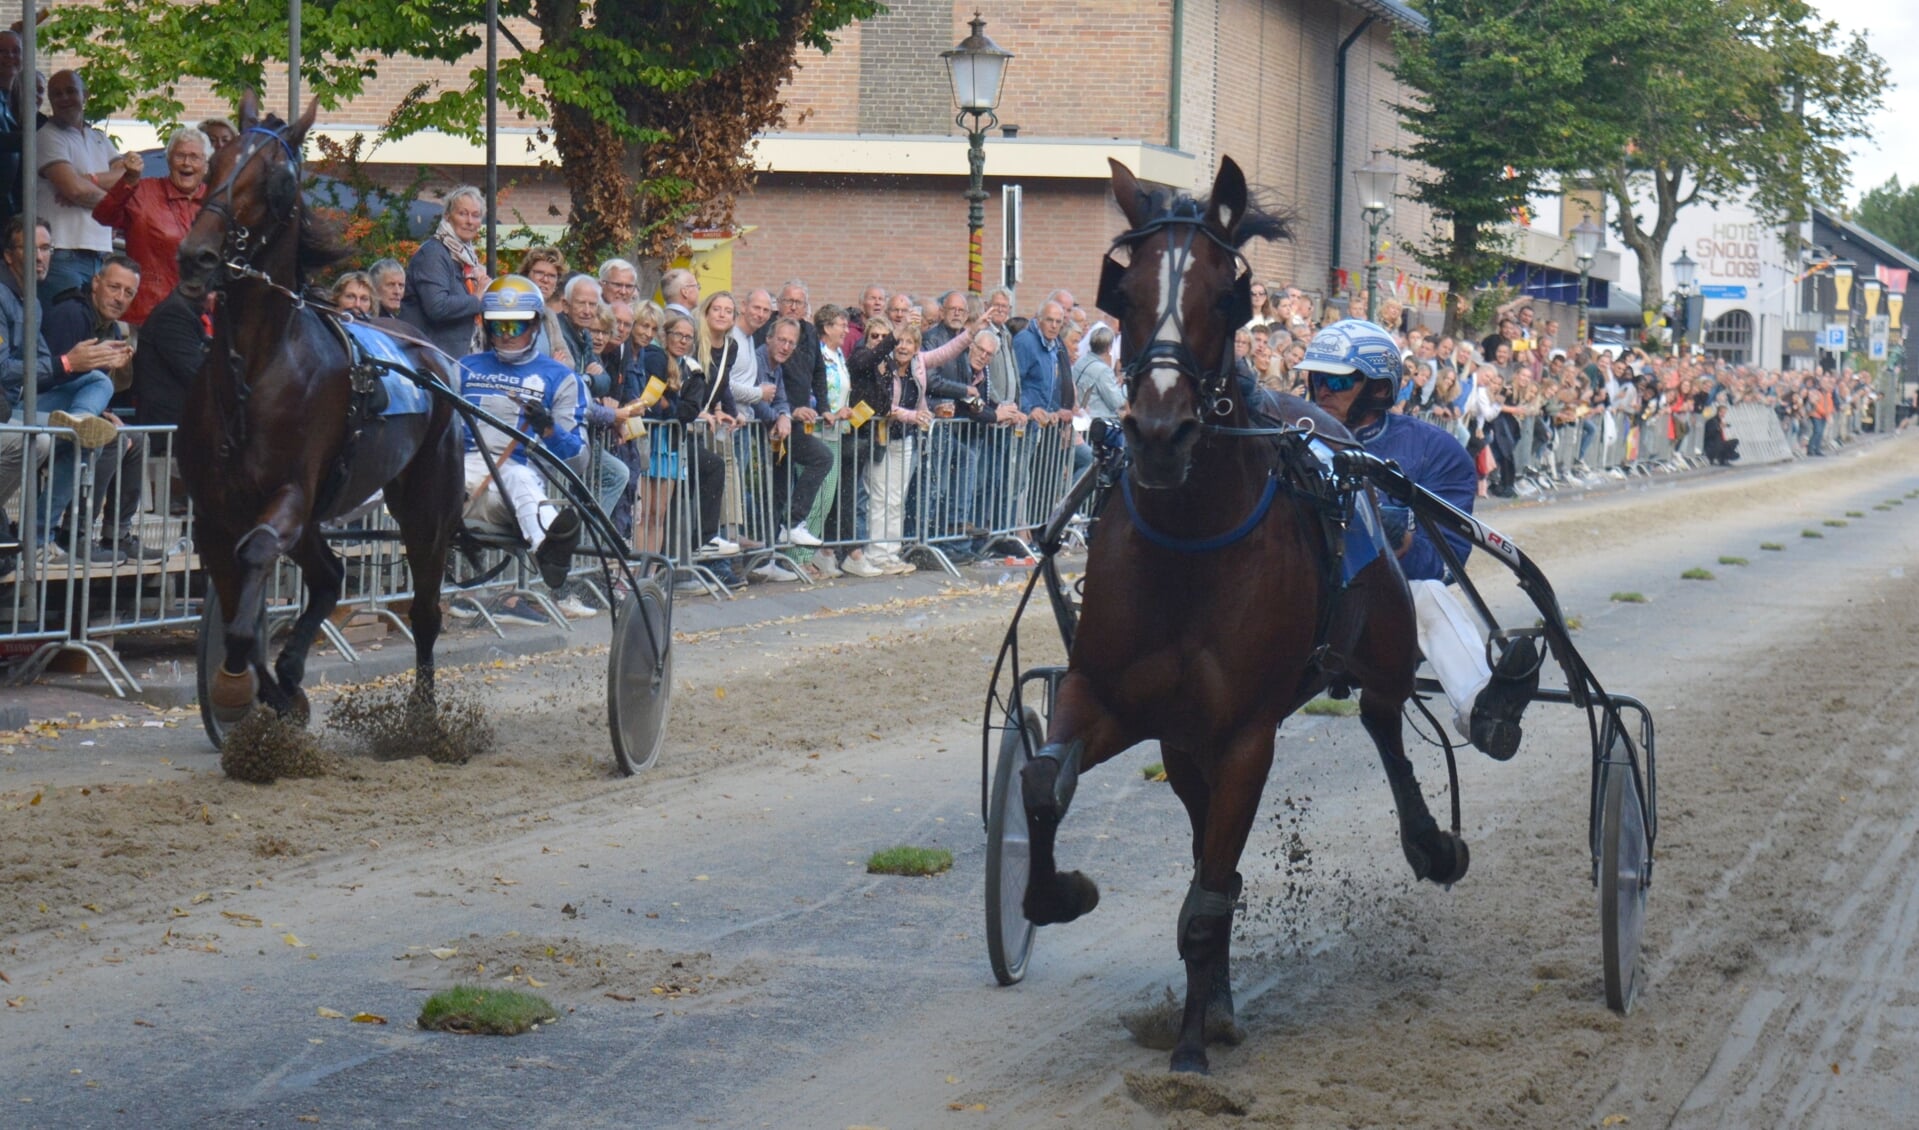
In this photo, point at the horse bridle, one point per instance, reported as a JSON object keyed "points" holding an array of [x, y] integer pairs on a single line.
{"points": [[1215, 385], [239, 243]]}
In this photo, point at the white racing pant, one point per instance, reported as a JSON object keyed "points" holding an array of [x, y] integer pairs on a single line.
{"points": [[1454, 643], [524, 504]]}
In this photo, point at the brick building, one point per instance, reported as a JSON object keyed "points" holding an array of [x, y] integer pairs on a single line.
{"points": [[867, 180]]}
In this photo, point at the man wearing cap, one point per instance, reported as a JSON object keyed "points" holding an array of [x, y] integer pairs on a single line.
{"points": [[1354, 369]]}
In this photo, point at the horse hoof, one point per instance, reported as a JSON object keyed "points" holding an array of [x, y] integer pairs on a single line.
{"points": [[1440, 857], [1191, 1061], [232, 695], [1068, 896]]}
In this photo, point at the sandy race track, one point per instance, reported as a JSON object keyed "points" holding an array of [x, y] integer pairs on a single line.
{"points": [[722, 958]]}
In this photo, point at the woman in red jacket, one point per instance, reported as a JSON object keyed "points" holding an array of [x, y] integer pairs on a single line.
{"points": [[155, 214]]}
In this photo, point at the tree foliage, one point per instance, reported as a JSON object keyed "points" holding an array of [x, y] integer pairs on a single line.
{"points": [[652, 104], [1892, 213], [1493, 95], [1722, 99]]}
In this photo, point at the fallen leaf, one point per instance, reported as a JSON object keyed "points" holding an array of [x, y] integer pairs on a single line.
{"points": [[297, 1117], [368, 1018], [326, 1013], [37, 796], [718, 693], [1614, 1120], [535, 982], [621, 997], [296, 943], [203, 896], [444, 952], [1835, 1069], [93, 906], [239, 919], [4, 979], [16, 1002]]}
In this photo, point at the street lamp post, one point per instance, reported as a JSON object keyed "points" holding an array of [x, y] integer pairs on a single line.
{"points": [[1375, 180], [977, 67], [1684, 270], [1585, 250]]}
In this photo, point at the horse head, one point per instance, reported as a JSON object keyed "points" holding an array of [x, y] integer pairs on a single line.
{"points": [[1179, 298], [255, 201]]}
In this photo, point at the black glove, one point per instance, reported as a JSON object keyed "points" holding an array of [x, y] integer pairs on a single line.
{"points": [[539, 421]]}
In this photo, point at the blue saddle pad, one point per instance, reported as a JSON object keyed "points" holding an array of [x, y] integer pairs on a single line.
{"points": [[1365, 536], [403, 396]]}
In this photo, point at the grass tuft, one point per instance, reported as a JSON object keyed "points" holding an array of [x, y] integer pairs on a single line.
{"points": [[1332, 707], [1629, 598], [1696, 574], [1154, 772], [1835, 523], [474, 1011], [1810, 534], [1882, 506], [1855, 513], [1772, 545], [1729, 559], [905, 860]]}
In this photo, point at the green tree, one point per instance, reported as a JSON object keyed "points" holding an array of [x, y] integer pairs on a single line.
{"points": [[1494, 100], [652, 104], [1892, 213], [1700, 101]]}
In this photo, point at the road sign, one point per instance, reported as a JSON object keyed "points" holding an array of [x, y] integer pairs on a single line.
{"points": [[1834, 339], [1881, 326], [1876, 350], [1734, 292]]}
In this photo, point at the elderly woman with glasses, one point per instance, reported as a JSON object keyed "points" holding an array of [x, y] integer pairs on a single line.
{"points": [[444, 279], [156, 213]]}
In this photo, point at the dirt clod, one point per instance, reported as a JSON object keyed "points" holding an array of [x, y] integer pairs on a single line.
{"points": [[264, 747], [390, 722], [1165, 1094]]}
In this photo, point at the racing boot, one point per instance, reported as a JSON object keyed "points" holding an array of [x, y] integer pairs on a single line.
{"points": [[1495, 721], [555, 555]]}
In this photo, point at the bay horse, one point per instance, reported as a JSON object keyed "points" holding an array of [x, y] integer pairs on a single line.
{"points": [[1211, 609], [272, 444]]}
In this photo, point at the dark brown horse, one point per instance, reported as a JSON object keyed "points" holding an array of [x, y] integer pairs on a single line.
{"points": [[271, 445], [1211, 612]]}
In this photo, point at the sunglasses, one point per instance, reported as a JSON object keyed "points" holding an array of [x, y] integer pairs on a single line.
{"points": [[1335, 382]]}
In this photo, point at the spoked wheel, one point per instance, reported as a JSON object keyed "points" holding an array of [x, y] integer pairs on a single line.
{"points": [[213, 655], [1009, 859], [1622, 884], [639, 676]]}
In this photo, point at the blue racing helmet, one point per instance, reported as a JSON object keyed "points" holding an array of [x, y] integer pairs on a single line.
{"points": [[1354, 346]]}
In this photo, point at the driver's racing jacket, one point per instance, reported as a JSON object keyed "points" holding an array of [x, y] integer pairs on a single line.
{"points": [[498, 387], [1431, 458]]}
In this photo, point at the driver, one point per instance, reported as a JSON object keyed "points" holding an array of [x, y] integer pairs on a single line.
{"points": [[1354, 374], [512, 380]]}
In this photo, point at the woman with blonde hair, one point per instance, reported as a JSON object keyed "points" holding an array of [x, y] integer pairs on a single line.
{"points": [[353, 294]]}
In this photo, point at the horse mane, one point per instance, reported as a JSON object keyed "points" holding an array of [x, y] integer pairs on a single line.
{"points": [[1265, 218], [321, 245]]}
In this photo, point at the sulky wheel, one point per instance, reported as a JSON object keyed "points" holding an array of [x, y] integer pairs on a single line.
{"points": [[639, 676], [1622, 883], [213, 654], [1009, 861]]}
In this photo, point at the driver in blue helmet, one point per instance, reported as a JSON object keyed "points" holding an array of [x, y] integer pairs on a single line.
{"points": [[1353, 371], [515, 382]]}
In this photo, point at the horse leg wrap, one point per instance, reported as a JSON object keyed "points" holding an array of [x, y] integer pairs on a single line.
{"points": [[1048, 781], [1206, 920]]}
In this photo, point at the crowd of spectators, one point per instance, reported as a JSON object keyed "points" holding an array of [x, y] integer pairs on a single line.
{"points": [[843, 398]]}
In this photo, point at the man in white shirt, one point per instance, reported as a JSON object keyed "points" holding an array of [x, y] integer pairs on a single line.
{"points": [[77, 165]]}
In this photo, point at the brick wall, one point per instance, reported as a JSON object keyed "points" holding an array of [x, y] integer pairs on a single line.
{"points": [[910, 233], [903, 86]]}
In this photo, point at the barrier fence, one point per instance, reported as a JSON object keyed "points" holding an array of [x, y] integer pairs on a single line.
{"points": [[719, 503]]}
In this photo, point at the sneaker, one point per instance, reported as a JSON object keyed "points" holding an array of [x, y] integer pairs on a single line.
{"points": [[1495, 720], [893, 566], [773, 571], [800, 535], [573, 608], [1019, 562], [460, 608], [718, 546], [689, 585], [859, 567], [555, 555], [50, 553], [136, 550], [728, 577], [519, 612], [826, 564], [100, 553], [92, 431]]}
